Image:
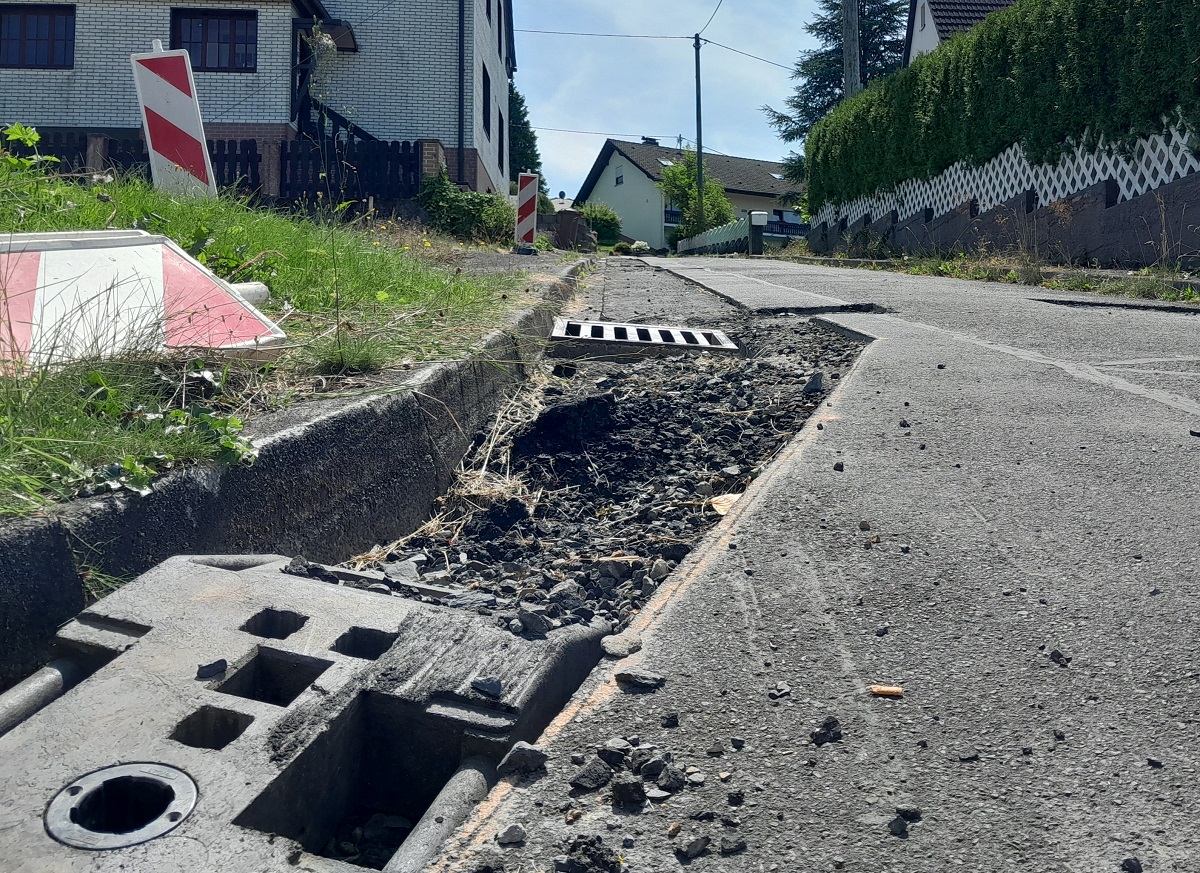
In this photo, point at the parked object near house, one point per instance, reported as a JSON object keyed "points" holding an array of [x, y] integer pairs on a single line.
{"points": [[100, 293], [408, 71], [626, 176], [932, 22]]}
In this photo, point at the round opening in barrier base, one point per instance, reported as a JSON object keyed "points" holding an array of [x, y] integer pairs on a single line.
{"points": [[121, 806]]}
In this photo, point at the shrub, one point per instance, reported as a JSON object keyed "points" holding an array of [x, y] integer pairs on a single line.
{"points": [[622, 248], [1047, 74], [469, 214], [604, 220]]}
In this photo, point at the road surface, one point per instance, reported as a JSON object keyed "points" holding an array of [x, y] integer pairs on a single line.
{"points": [[997, 511]]}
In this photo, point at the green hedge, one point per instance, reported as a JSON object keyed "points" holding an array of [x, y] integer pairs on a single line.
{"points": [[1042, 73]]}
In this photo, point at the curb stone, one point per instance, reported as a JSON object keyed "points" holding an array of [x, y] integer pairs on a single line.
{"points": [[331, 479]]}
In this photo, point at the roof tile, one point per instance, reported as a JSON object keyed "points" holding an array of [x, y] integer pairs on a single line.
{"points": [[955, 16]]}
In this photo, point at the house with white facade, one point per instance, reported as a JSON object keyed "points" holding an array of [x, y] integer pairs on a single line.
{"points": [[387, 69], [932, 22], [625, 175]]}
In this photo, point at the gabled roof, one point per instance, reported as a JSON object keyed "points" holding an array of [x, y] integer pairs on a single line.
{"points": [[736, 175], [951, 17], [955, 16]]}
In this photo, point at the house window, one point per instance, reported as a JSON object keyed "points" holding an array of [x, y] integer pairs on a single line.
{"points": [[487, 103], [218, 41], [922, 16], [620, 179], [500, 138], [500, 30], [37, 37], [489, 9]]}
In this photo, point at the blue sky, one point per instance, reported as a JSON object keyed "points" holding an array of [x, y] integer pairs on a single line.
{"points": [[628, 88]]}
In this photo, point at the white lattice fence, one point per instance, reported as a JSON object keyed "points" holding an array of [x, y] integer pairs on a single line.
{"points": [[1153, 162]]}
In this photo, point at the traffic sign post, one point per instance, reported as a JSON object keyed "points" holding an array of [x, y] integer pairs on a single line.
{"points": [[166, 89], [527, 191]]}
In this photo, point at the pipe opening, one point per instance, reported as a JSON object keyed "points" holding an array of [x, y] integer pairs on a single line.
{"points": [[122, 805]]}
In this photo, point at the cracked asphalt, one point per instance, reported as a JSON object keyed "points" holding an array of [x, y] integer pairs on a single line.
{"points": [[997, 511]]}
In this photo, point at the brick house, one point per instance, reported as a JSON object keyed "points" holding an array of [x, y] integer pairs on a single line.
{"points": [[402, 70], [626, 176]]}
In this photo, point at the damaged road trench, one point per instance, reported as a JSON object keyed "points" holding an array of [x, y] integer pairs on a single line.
{"points": [[264, 713]]}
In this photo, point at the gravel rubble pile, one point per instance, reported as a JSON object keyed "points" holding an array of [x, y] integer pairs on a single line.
{"points": [[617, 478]]}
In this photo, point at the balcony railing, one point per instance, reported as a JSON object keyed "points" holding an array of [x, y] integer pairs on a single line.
{"points": [[672, 216]]}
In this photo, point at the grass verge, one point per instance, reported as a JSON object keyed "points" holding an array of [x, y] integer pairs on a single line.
{"points": [[356, 299], [1152, 283]]}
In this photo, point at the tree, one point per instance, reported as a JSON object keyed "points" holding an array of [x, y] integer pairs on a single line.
{"points": [[679, 186], [881, 25], [523, 155]]}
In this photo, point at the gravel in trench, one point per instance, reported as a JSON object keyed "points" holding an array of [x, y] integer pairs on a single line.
{"points": [[599, 477]]}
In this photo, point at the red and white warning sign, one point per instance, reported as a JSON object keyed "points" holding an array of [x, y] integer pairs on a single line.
{"points": [[166, 90], [73, 295], [527, 191]]}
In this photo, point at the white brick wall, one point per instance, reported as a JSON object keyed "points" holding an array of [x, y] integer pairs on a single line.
{"points": [[403, 81], [401, 84], [487, 52], [99, 91]]}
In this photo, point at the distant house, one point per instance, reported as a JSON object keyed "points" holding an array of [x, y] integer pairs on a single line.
{"points": [[932, 22], [626, 176], [402, 70]]}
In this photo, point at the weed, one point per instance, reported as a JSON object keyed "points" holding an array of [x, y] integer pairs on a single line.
{"points": [[353, 297], [349, 353]]}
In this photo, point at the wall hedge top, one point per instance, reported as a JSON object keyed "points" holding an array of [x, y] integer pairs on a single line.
{"points": [[1042, 73]]}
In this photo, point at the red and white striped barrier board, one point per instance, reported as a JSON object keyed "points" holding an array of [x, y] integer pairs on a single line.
{"points": [[65, 296], [527, 191], [166, 90]]}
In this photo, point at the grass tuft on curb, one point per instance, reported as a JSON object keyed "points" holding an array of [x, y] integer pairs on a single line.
{"points": [[355, 298]]}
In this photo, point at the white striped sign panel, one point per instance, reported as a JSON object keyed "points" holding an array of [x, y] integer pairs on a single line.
{"points": [[527, 191], [166, 89]]}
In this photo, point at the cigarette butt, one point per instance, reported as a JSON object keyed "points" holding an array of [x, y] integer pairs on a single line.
{"points": [[886, 690]]}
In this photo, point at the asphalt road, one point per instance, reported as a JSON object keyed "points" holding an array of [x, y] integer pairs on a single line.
{"points": [[1028, 472]]}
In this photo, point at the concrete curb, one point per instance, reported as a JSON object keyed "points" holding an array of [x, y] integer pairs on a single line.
{"points": [[332, 479]]}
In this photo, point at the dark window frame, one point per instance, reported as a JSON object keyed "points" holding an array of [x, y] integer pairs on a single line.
{"points": [[489, 9], [500, 30], [17, 57], [500, 138], [487, 102], [202, 62]]}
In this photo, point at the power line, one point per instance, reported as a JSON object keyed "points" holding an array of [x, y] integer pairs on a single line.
{"points": [[711, 17], [606, 35], [747, 54], [593, 132], [612, 134], [659, 36]]}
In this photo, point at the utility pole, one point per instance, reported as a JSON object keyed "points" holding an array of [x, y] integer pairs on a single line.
{"points": [[851, 53], [700, 143]]}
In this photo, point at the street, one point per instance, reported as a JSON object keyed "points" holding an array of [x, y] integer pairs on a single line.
{"points": [[995, 510]]}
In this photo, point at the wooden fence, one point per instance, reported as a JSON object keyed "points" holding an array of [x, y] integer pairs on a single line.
{"points": [[335, 170]]}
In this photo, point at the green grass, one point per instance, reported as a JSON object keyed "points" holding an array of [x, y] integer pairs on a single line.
{"points": [[354, 298], [1139, 287]]}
